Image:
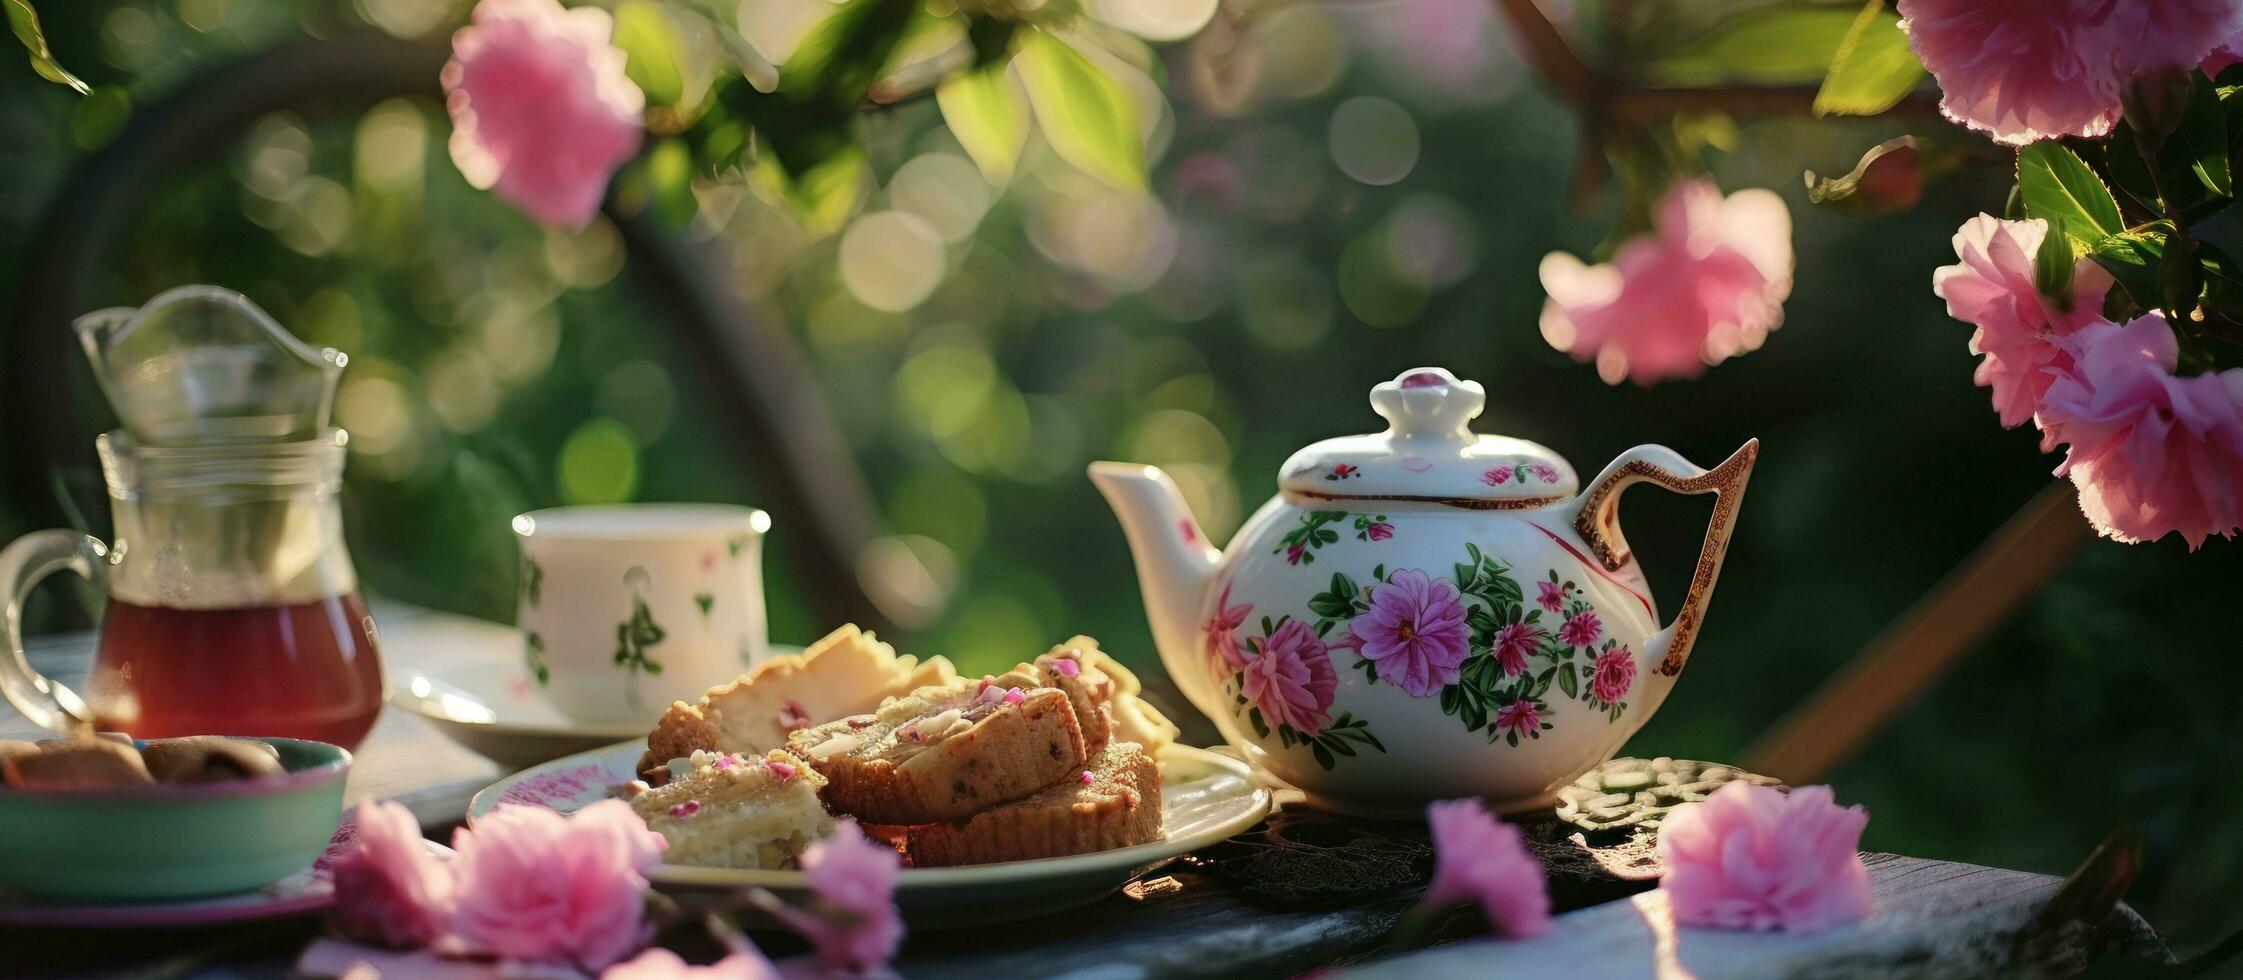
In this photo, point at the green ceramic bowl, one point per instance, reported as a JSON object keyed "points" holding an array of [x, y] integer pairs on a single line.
{"points": [[145, 843]]}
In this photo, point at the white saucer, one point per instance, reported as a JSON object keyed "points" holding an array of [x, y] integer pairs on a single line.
{"points": [[1206, 798], [307, 891], [467, 677]]}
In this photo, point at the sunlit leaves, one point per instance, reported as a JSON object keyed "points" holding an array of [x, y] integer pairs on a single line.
{"points": [[1089, 118], [1154, 20], [24, 21], [1774, 45], [1872, 70], [988, 115], [651, 43], [2052, 265], [2056, 184]]}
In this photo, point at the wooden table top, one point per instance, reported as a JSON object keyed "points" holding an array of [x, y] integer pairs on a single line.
{"points": [[1189, 919]]}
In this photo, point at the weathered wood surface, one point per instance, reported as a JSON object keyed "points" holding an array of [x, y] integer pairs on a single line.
{"points": [[1931, 918]]}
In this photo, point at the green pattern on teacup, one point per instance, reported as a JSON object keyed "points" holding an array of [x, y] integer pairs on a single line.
{"points": [[533, 581], [704, 600], [534, 651], [634, 635]]}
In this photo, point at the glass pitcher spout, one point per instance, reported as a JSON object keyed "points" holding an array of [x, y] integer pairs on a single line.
{"points": [[200, 365]]}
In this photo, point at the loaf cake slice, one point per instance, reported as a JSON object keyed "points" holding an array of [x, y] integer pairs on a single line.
{"points": [[1115, 802], [735, 811], [847, 672], [942, 753]]}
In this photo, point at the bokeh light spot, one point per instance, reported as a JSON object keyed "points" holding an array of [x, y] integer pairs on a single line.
{"points": [[599, 463], [946, 190], [640, 395], [891, 260], [1374, 140]]}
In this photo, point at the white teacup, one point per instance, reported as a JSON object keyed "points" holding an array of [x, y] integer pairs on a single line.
{"points": [[626, 608]]}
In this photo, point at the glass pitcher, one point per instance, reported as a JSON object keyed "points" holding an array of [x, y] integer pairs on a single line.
{"points": [[232, 604]]}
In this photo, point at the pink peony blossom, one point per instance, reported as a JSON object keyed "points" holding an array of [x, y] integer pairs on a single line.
{"points": [[2154, 34], [1705, 284], [1514, 643], [1479, 858], [542, 114], [1544, 472], [538, 887], [1414, 631], [389, 890], [1754, 857], [1293, 554], [1222, 629], [1380, 531], [1552, 598], [1496, 476], [855, 928], [2150, 452], [1613, 675], [1582, 630], [1992, 288], [661, 964], [2227, 54], [1521, 717], [1291, 680], [2020, 70]]}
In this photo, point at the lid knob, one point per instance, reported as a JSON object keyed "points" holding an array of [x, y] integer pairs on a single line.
{"points": [[1429, 403]]}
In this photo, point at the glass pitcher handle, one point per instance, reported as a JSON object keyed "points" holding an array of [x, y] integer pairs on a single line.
{"points": [[22, 564]]}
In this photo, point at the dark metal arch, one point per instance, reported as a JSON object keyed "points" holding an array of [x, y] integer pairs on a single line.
{"points": [[751, 367]]}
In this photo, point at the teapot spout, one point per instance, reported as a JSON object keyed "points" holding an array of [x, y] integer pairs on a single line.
{"points": [[1174, 560]]}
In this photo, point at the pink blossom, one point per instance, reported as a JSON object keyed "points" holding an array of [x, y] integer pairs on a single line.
{"points": [[1582, 630], [1496, 476], [1705, 284], [1614, 674], [1992, 288], [1292, 680], [1521, 717], [1754, 857], [1414, 631], [1514, 643], [1552, 598], [389, 890], [1222, 629], [2227, 54], [661, 964], [1544, 472], [855, 928], [542, 114], [1481, 859], [2155, 34], [1293, 554], [2020, 70], [538, 887], [2151, 452], [1380, 531]]}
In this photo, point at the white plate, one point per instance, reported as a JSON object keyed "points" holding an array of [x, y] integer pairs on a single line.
{"points": [[1206, 799], [468, 677], [307, 891]]}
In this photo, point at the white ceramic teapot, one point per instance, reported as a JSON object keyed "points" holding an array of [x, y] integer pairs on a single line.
{"points": [[1424, 613]]}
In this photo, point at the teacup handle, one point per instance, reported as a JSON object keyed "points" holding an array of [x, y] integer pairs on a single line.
{"points": [[22, 564]]}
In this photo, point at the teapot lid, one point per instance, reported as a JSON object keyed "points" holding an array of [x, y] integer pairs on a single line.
{"points": [[1429, 453]]}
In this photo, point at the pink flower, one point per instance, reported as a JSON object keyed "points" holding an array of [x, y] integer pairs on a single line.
{"points": [[1754, 857], [661, 964], [2150, 452], [1582, 630], [1514, 643], [1992, 287], [1552, 598], [1614, 674], [1380, 531], [1705, 284], [1414, 631], [539, 887], [1544, 472], [855, 928], [1521, 717], [389, 890], [1293, 554], [1222, 629], [541, 111], [1496, 476], [2154, 34], [2021, 70], [2227, 54], [1481, 859], [1292, 680]]}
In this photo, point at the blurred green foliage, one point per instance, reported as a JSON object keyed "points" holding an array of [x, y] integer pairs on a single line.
{"points": [[982, 343]]}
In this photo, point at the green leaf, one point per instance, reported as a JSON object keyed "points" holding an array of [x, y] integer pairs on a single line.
{"points": [[2179, 279], [1567, 682], [1873, 68], [1771, 46], [2056, 184], [652, 46], [24, 21], [1261, 728], [100, 116], [2223, 282], [1087, 116], [2201, 142], [2052, 265], [986, 112], [2133, 259], [1323, 755]]}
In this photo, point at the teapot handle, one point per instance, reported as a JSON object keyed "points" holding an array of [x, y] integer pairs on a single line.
{"points": [[1598, 522], [23, 563]]}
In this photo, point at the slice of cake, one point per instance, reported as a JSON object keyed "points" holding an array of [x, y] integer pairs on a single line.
{"points": [[1130, 717], [1113, 803], [942, 753], [721, 810], [846, 673]]}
